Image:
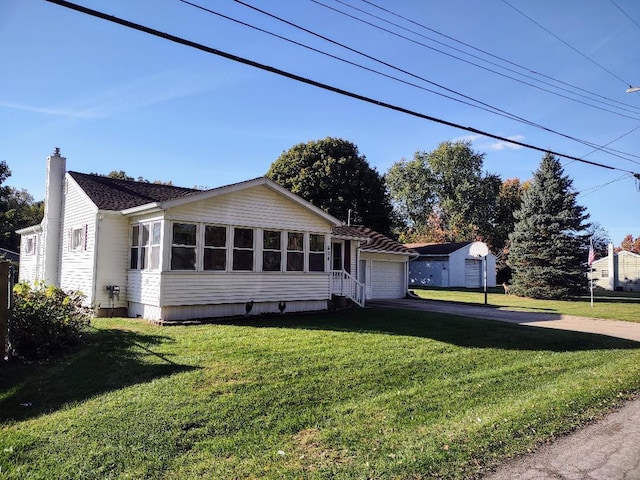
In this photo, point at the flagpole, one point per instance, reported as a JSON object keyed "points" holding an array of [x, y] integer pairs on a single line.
{"points": [[589, 264]]}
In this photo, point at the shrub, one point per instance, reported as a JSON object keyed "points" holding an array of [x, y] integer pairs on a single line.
{"points": [[46, 320]]}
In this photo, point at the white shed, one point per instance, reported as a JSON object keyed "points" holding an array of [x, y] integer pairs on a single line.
{"points": [[450, 265]]}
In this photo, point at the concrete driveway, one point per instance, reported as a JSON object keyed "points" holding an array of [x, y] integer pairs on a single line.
{"points": [[608, 449], [613, 328]]}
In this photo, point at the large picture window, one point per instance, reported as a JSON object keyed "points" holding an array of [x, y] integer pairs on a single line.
{"points": [[295, 252], [215, 248], [183, 246], [272, 251], [316, 253], [243, 249]]}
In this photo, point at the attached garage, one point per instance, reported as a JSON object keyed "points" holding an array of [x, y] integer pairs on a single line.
{"points": [[388, 280], [379, 263]]}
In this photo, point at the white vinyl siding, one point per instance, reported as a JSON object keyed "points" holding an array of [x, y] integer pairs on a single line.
{"points": [[112, 258], [78, 249], [186, 288], [31, 264], [257, 207]]}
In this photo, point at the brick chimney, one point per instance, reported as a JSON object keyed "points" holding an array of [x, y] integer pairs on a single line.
{"points": [[52, 223]]}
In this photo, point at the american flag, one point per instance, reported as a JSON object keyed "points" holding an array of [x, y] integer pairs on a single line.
{"points": [[592, 253]]}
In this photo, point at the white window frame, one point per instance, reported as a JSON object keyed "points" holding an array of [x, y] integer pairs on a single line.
{"points": [[224, 248], [145, 246], [30, 245], [78, 239]]}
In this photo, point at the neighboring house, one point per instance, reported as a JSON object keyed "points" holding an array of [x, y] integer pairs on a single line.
{"points": [[450, 265], [167, 253], [617, 271]]}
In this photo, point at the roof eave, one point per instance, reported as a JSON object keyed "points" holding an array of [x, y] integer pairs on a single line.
{"points": [[32, 229], [146, 208]]}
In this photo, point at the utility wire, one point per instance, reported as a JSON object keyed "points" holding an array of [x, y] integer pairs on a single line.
{"points": [[489, 108], [510, 62], [625, 13], [566, 43], [495, 64], [292, 76], [610, 151], [590, 190]]}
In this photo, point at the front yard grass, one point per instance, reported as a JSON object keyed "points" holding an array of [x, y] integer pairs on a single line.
{"points": [[608, 305], [357, 394]]}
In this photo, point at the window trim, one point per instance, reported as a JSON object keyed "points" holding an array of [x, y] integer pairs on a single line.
{"points": [[193, 246], [241, 249], [206, 247], [78, 238]]}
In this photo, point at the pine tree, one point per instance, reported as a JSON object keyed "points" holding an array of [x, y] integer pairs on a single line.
{"points": [[547, 249]]}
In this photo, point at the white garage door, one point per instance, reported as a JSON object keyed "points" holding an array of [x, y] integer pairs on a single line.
{"points": [[387, 280], [472, 270]]}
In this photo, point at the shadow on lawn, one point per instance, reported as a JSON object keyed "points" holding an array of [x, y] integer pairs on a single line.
{"points": [[452, 329], [110, 360]]}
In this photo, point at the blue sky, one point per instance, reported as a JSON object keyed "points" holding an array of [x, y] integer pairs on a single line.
{"points": [[116, 99]]}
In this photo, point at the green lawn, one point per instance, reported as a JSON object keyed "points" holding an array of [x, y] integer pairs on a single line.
{"points": [[363, 393], [607, 305]]}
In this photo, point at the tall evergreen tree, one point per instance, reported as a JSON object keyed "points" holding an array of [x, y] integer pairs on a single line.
{"points": [[548, 247]]}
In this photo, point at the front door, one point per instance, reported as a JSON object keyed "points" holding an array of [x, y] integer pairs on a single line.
{"points": [[337, 256]]}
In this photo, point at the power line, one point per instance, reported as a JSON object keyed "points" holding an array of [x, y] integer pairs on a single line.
{"points": [[610, 151], [495, 64], [625, 13], [510, 62], [488, 108], [590, 190], [566, 43], [292, 76]]}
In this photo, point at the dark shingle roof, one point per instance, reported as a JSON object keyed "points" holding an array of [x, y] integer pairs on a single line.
{"points": [[438, 248], [377, 242], [114, 194]]}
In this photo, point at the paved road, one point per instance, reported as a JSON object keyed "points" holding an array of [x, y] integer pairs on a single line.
{"points": [[606, 450]]}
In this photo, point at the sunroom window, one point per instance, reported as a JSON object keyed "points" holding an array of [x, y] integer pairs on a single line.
{"points": [[215, 248], [272, 251], [316, 253], [183, 246], [295, 252], [243, 249]]}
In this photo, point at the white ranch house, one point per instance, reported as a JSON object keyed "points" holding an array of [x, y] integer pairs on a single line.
{"points": [[169, 254], [450, 265]]}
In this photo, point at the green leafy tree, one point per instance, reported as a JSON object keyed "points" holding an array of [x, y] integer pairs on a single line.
{"points": [[332, 175], [548, 244], [17, 210], [445, 189]]}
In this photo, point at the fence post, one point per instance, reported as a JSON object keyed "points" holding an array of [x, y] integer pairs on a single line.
{"points": [[4, 309]]}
